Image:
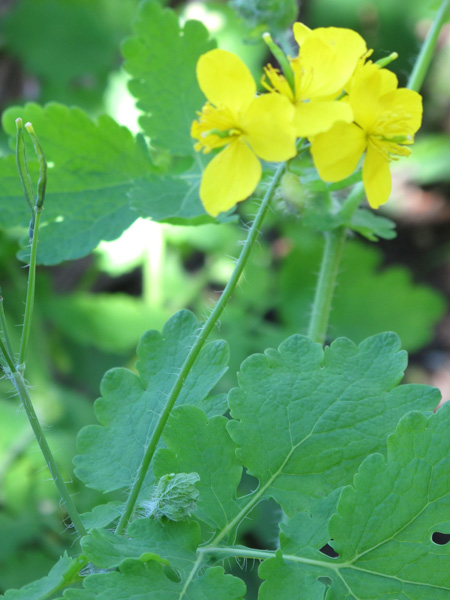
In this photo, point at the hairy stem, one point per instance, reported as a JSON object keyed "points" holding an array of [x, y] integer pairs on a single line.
{"points": [[423, 61], [195, 350], [331, 258], [19, 384], [4, 332]]}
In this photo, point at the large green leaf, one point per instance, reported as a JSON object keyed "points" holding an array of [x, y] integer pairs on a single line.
{"points": [[131, 404], [138, 581], [305, 418], [161, 58], [383, 532], [91, 168], [156, 560]]}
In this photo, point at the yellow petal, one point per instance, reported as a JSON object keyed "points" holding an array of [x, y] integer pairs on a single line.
{"points": [[376, 178], [369, 85], [327, 59], [268, 128], [301, 32], [337, 152], [229, 178], [316, 116], [225, 80], [407, 105]]}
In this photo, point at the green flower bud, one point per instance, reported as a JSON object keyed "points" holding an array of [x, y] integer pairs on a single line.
{"points": [[293, 192]]}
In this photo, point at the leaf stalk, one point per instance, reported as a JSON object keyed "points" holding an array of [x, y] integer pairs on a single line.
{"points": [[423, 60], [195, 350]]}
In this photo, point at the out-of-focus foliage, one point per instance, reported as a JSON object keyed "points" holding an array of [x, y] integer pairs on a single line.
{"points": [[90, 314]]}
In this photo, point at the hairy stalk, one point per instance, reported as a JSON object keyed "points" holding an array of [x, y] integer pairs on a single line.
{"points": [[5, 354], [223, 552], [423, 61], [4, 331], [19, 383], [195, 350], [331, 258]]}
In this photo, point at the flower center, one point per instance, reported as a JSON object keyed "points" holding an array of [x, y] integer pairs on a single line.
{"points": [[216, 127], [392, 133]]}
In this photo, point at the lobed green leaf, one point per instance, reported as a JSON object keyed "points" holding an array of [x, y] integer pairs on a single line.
{"points": [[305, 418], [128, 411], [91, 168], [161, 58], [383, 531]]}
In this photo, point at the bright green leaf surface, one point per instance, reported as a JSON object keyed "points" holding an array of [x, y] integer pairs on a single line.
{"points": [[91, 168], [173, 199], [162, 58], [384, 526], [196, 444], [337, 406], [102, 515], [131, 404], [367, 300]]}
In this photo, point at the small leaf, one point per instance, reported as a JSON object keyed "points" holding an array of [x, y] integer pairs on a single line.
{"points": [[371, 226], [174, 497]]}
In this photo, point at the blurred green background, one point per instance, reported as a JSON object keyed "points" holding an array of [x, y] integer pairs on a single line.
{"points": [[91, 313]]}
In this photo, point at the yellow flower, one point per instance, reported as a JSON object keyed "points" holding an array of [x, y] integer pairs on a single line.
{"points": [[327, 59], [385, 121], [247, 126]]}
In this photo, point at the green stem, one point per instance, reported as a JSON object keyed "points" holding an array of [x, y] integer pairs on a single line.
{"points": [[223, 552], [195, 350], [334, 244], [423, 61], [4, 352], [4, 329], [29, 303], [19, 383]]}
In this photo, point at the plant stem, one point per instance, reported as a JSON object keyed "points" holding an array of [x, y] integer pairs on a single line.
{"points": [[334, 244], [195, 350], [423, 61], [29, 303], [5, 354], [4, 331], [19, 383]]}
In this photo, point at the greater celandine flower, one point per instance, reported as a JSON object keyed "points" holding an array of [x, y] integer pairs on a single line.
{"points": [[385, 121], [327, 59], [246, 126]]}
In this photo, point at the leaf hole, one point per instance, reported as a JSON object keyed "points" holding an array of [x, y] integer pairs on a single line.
{"points": [[441, 539], [329, 551]]}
